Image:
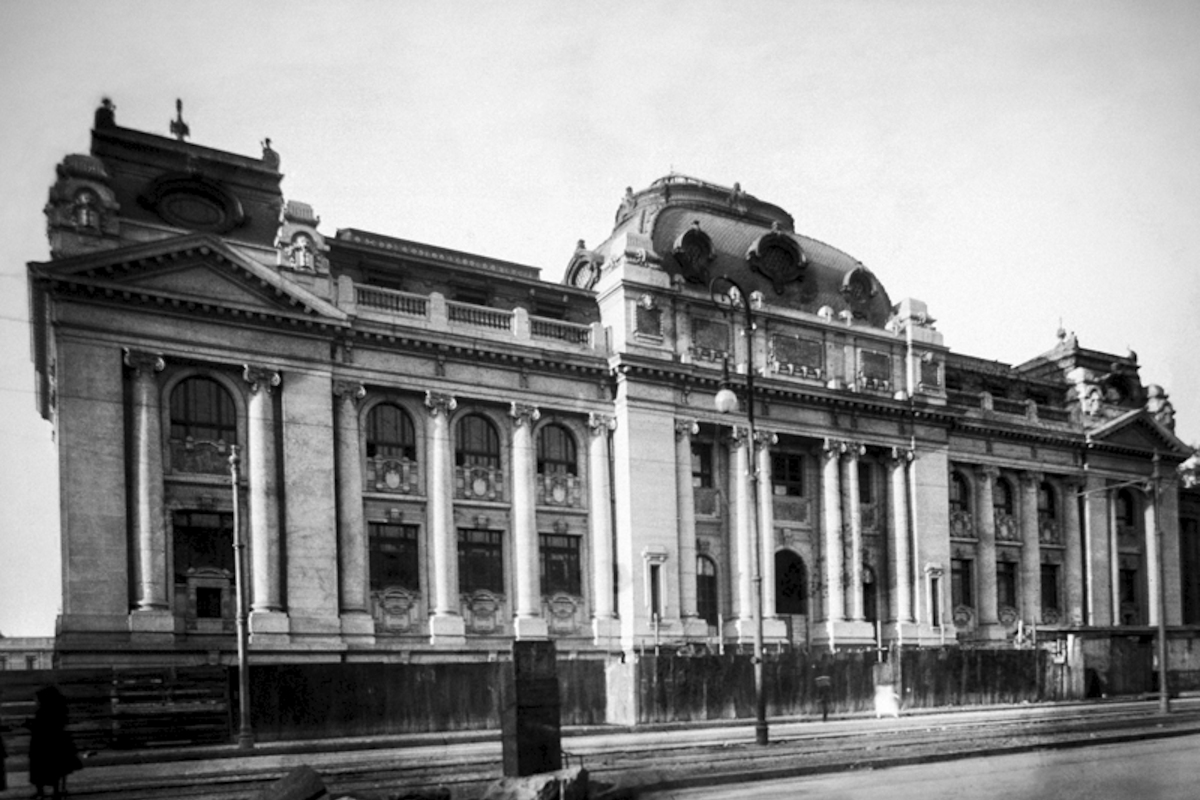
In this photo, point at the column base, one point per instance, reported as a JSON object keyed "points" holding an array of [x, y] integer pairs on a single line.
{"points": [[530, 628], [695, 628], [151, 623], [269, 628], [843, 633], [606, 632], [447, 631], [774, 630], [358, 627]]}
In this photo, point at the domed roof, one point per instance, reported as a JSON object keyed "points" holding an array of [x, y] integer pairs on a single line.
{"points": [[700, 231]]}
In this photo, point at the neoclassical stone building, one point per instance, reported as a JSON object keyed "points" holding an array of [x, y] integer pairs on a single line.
{"points": [[438, 452]]}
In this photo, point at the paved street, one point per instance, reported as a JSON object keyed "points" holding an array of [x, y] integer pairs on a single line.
{"points": [[1155, 769], [678, 758]]}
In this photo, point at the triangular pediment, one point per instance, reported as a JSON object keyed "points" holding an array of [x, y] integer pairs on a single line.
{"points": [[1138, 430], [194, 269]]}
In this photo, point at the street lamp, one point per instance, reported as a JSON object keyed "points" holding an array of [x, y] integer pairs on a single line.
{"points": [[1164, 697], [245, 736], [726, 402]]}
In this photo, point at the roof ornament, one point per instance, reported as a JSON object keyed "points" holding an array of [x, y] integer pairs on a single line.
{"points": [[270, 157], [777, 257], [179, 128], [694, 252], [106, 114]]}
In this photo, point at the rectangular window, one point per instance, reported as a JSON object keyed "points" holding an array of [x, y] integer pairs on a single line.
{"points": [[202, 540], [787, 474], [962, 590], [702, 475], [655, 591], [560, 564], [393, 556], [935, 589], [1128, 586], [208, 602], [706, 597], [480, 560], [31, 662], [866, 485], [1006, 584], [1189, 568], [1050, 586]]}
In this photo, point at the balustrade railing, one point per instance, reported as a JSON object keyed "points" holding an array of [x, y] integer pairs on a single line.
{"points": [[479, 316], [391, 301], [557, 330]]}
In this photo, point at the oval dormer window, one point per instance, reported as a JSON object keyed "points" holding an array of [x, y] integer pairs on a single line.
{"points": [[194, 203]]}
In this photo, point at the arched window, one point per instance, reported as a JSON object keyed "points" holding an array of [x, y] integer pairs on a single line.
{"points": [[706, 589], [390, 433], [960, 493], [791, 583], [556, 453], [478, 443], [1002, 497], [202, 411], [1047, 502]]}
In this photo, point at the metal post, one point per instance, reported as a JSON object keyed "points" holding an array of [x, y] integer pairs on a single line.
{"points": [[1164, 696], [761, 734], [245, 736]]}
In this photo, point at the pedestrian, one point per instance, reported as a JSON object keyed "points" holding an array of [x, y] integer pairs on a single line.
{"points": [[52, 754], [824, 684]]}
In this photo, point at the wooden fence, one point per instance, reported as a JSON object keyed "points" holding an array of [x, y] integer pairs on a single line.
{"points": [[117, 708], [678, 688]]}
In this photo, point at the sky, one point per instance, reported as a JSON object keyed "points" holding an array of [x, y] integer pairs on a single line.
{"points": [[1012, 164]]}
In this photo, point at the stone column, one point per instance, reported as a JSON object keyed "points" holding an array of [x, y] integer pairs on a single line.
{"points": [[835, 602], [1031, 549], [902, 607], [850, 504], [1153, 571], [685, 501], [266, 567], [1073, 538], [446, 624], [1114, 557], [600, 519], [528, 623], [743, 535], [766, 520], [150, 559], [353, 558], [985, 517]]}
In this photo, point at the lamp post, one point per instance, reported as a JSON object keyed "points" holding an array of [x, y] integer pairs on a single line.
{"points": [[245, 736], [1164, 697], [726, 402]]}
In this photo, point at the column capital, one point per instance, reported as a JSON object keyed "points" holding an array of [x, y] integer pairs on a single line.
{"points": [[600, 423], [765, 439], [1030, 477], [852, 450], [440, 403], [738, 435], [349, 390], [685, 428], [524, 414], [987, 471], [831, 449], [902, 455], [1073, 483], [260, 378], [144, 362]]}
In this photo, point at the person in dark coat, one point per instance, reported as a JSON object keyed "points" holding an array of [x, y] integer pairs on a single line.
{"points": [[52, 754]]}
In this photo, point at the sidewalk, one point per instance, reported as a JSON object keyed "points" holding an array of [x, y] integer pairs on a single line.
{"points": [[799, 745]]}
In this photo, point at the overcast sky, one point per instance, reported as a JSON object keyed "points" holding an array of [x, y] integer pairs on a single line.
{"points": [[1009, 163]]}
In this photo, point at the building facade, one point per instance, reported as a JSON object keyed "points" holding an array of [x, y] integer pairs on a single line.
{"points": [[430, 453]]}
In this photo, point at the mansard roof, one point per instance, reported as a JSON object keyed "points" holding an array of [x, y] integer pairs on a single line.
{"points": [[698, 230]]}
